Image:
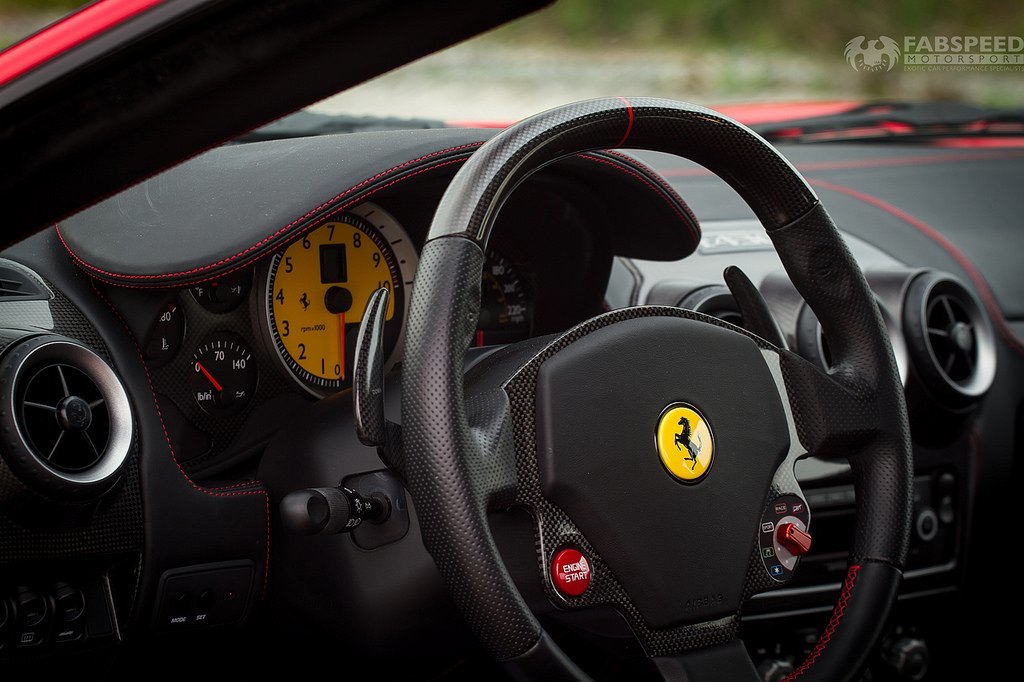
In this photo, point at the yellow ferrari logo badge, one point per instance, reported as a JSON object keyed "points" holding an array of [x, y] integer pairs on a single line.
{"points": [[685, 443]]}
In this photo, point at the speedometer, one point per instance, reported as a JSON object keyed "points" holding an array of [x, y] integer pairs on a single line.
{"points": [[318, 287], [506, 310]]}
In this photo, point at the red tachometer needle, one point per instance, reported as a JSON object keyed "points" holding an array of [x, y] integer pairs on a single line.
{"points": [[216, 384], [341, 342]]}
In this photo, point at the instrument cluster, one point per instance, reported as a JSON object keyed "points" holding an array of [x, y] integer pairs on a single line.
{"points": [[304, 307]]}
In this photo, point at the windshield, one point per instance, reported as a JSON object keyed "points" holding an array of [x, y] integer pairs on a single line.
{"points": [[714, 53], [720, 52]]}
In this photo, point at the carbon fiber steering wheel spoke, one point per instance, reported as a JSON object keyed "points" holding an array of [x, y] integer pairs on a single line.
{"points": [[649, 443]]}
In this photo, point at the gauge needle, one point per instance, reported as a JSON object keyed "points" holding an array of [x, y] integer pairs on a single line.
{"points": [[216, 384], [341, 342]]}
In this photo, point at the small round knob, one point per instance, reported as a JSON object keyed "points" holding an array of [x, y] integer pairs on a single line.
{"points": [[70, 602], [74, 414], [31, 607], [909, 657]]}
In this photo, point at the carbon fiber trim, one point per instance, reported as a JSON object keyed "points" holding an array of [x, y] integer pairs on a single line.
{"points": [[766, 180], [555, 528], [117, 525], [454, 473]]}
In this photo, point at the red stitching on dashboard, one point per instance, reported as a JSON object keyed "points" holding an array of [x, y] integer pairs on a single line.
{"points": [[994, 311], [661, 189], [243, 484], [284, 229], [679, 207], [213, 492], [114, 278], [629, 126], [862, 164], [833, 625], [666, 187]]}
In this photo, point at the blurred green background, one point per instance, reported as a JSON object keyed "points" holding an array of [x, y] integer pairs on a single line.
{"points": [[792, 25], [706, 51]]}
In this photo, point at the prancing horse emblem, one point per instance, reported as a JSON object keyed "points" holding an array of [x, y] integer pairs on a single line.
{"points": [[683, 440]]}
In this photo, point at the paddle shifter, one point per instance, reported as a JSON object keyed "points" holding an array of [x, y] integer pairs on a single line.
{"points": [[315, 511]]}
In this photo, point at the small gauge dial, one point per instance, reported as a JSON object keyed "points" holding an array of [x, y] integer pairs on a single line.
{"points": [[224, 293], [318, 288], [166, 334], [223, 376], [506, 311]]}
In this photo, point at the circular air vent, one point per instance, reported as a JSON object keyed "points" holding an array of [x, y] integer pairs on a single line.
{"points": [[716, 301], [64, 417], [813, 344], [66, 420], [950, 339]]}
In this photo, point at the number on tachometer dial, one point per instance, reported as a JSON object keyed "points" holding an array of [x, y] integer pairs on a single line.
{"points": [[318, 288]]}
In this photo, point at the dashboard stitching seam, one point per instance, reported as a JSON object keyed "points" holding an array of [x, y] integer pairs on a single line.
{"points": [[685, 215], [675, 202], [308, 228], [864, 164], [994, 311], [282, 230], [660, 180], [213, 492]]}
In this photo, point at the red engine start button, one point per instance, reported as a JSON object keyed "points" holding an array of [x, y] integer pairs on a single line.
{"points": [[570, 572]]}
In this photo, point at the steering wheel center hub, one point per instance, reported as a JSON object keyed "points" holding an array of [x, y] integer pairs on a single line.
{"points": [[630, 418]]}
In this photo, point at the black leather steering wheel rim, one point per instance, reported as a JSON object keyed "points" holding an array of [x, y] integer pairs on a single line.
{"points": [[456, 470]]}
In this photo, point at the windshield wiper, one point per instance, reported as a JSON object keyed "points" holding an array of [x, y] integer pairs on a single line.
{"points": [[899, 122]]}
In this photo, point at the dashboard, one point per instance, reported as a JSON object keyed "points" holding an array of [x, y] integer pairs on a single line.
{"points": [[270, 338], [247, 330]]}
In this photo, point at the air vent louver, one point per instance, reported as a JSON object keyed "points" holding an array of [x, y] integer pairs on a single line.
{"points": [[65, 417], [17, 285], [950, 339]]}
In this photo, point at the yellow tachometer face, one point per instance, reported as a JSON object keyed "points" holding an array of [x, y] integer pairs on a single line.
{"points": [[317, 292]]}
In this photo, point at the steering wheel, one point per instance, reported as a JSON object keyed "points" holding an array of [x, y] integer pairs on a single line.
{"points": [[675, 525]]}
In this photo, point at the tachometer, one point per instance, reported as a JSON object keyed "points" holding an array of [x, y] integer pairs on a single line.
{"points": [[318, 288]]}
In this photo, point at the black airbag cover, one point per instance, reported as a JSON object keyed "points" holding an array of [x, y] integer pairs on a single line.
{"points": [[680, 551]]}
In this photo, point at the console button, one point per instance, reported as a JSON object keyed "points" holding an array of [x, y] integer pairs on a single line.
{"points": [[70, 602], [68, 633], [927, 524], [570, 572]]}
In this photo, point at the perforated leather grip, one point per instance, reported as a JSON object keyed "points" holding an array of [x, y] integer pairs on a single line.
{"points": [[447, 461], [777, 194], [880, 453]]}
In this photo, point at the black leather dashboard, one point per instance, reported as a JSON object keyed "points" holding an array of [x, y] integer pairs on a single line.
{"points": [[233, 205], [593, 232]]}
